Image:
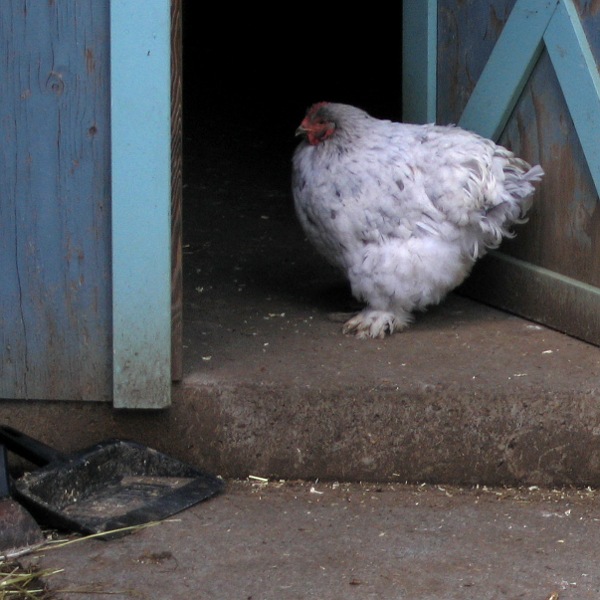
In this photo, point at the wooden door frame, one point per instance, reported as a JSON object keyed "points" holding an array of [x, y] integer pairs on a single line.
{"points": [[419, 61], [176, 190], [143, 278]]}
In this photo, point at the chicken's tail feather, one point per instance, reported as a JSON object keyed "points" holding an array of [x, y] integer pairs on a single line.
{"points": [[517, 198]]}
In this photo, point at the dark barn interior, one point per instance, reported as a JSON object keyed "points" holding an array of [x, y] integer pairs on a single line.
{"points": [[265, 69], [248, 78]]}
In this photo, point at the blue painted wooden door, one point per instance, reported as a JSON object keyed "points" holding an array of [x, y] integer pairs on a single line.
{"points": [[525, 73], [84, 201], [55, 201]]}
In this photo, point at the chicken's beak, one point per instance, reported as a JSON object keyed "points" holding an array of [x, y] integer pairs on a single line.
{"points": [[301, 131]]}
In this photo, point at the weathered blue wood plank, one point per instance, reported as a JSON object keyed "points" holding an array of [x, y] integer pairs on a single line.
{"points": [[140, 82], [577, 72], [542, 295], [54, 201], [508, 68], [467, 33], [562, 234], [419, 61], [550, 272], [589, 13]]}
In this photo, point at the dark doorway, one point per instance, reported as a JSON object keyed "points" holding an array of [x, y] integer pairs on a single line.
{"points": [[248, 76], [264, 67]]}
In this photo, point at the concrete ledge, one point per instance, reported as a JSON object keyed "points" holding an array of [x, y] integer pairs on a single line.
{"points": [[468, 395], [443, 434]]}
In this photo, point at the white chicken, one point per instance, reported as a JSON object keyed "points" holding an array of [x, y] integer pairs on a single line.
{"points": [[403, 210]]}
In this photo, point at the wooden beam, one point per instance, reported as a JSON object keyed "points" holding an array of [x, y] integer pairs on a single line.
{"points": [[508, 68], [141, 196], [55, 305], [419, 61], [536, 293], [176, 190], [577, 73]]}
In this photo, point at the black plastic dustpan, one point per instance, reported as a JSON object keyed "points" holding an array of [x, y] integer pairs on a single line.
{"points": [[113, 484], [19, 532]]}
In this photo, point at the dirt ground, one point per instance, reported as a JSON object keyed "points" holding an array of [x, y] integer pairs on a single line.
{"points": [[332, 541]]}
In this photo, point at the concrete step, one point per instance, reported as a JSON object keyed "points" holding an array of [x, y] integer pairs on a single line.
{"points": [[468, 395]]}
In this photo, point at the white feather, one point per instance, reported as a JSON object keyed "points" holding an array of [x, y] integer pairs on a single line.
{"points": [[404, 210]]}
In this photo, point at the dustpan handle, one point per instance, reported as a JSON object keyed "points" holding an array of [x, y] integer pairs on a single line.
{"points": [[4, 481], [33, 450]]}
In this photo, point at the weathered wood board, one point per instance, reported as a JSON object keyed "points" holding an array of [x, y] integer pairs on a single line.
{"points": [[55, 201], [555, 258]]}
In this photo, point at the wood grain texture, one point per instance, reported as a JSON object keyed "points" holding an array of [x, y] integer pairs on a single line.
{"points": [[508, 68], [419, 61], [576, 67], [140, 50], [176, 191], [55, 201], [467, 33], [561, 241], [563, 233]]}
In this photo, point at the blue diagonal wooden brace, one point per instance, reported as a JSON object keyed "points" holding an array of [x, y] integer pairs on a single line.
{"points": [[532, 25]]}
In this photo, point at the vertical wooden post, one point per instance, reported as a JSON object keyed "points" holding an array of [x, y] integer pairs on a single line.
{"points": [[419, 61], [141, 202], [176, 191]]}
